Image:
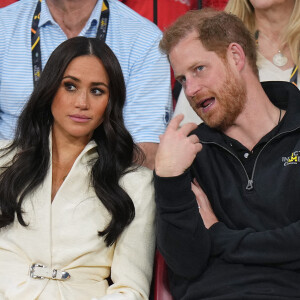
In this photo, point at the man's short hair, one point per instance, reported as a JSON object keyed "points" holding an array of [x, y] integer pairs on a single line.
{"points": [[216, 29]]}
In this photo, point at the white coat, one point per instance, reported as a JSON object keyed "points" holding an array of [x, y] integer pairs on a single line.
{"points": [[63, 235]]}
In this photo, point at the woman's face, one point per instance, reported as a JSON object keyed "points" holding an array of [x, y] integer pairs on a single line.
{"points": [[267, 4], [81, 99]]}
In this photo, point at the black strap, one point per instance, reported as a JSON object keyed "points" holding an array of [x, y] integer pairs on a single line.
{"points": [[176, 90], [35, 44], [35, 37], [199, 4], [294, 75], [155, 12], [103, 23]]}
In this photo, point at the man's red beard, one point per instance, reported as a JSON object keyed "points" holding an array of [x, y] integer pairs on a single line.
{"points": [[231, 98]]}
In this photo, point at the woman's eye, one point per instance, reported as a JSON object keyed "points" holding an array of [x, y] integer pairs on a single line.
{"points": [[97, 91], [69, 86], [200, 68]]}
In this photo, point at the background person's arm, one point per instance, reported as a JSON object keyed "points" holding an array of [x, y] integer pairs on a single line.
{"points": [[148, 106], [149, 150]]}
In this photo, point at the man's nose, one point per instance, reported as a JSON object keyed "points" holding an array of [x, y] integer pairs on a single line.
{"points": [[192, 87]]}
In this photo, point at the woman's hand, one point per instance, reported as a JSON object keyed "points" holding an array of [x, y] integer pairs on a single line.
{"points": [[208, 216]]}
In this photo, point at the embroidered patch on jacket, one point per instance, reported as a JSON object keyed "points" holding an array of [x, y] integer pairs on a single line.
{"points": [[294, 159], [167, 116]]}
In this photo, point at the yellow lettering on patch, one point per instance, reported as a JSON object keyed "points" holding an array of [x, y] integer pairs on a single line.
{"points": [[293, 158]]}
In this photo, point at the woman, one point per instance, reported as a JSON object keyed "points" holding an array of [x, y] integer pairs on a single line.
{"points": [[76, 214], [275, 24], [276, 27]]}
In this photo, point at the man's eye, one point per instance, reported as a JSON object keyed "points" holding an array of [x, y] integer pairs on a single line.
{"points": [[181, 80], [200, 68], [69, 86]]}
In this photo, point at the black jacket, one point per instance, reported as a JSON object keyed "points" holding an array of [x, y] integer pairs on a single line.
{"points": [[254, 251]]}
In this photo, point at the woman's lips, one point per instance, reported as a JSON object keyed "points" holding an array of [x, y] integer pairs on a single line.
{"points": [[79, 118]]}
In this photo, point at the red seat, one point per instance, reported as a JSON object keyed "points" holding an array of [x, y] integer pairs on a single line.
{"points": [[6, 2], [161, 283]]}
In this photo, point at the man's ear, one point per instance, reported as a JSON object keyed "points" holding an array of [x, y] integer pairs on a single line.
{"points": [[237, 55]]}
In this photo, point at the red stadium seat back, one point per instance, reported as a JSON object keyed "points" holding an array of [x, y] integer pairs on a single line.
{"points": [[161, 283], [6, 2]]}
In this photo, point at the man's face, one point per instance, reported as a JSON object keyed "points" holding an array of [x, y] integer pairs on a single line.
{"points": [[213, 88]]}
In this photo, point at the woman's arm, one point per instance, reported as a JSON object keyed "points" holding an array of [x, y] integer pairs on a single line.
{"points": [[132, 266]]}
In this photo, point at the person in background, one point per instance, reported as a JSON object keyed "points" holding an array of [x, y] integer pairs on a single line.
{"points": [[79, 220], [275, 24], [31, 29], [227, 192]]}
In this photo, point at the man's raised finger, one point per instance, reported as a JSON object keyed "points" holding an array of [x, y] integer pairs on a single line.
{"points": [[187, 128], [175, 122], [194, 139]]}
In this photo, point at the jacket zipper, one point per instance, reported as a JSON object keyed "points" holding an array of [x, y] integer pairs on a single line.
{"points": [[249, 186], [250, 181]]}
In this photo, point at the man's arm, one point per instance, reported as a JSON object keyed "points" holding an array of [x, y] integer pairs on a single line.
{"points": [[181, 235], [278, 247]]}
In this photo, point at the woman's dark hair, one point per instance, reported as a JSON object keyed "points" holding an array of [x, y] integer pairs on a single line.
{"points": [[31, 162]]}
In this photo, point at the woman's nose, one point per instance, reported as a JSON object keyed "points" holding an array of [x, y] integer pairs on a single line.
{"points": [[82, 100]]}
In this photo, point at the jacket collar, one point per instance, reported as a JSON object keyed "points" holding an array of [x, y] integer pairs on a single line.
{"points": [[282, 94], [285, 95]]}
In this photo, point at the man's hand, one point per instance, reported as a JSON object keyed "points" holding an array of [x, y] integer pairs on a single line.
{"points": [[176, 150], [208, 216]]}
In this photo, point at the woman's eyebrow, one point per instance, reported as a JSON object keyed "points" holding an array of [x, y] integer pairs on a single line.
{"points": [[71, 77], [99, 83], [78, 80]]}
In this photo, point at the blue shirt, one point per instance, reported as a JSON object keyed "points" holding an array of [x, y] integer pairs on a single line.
{"points": [[134, 41]]}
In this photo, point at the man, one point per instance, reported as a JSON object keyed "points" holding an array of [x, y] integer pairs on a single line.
{"points": [[133, 39], [228, 194]]}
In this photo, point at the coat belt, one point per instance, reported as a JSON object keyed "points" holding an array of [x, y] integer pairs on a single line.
{"points": [[39, 271]]}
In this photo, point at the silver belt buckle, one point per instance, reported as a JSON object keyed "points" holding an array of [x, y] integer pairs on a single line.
{"points": [[39, 271], [32, 269]]}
